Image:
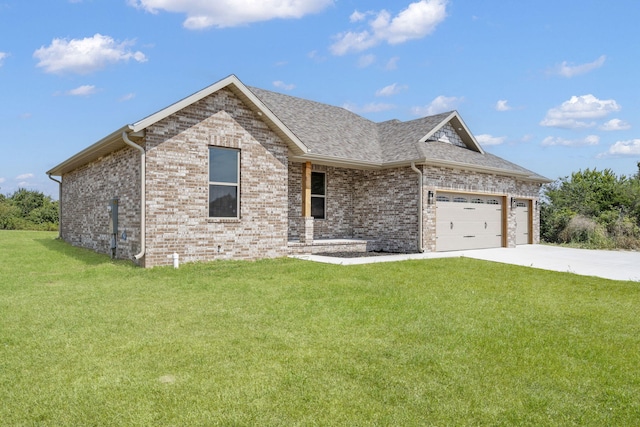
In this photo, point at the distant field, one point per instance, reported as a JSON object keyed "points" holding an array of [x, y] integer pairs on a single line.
{"points": [[88, 341]]}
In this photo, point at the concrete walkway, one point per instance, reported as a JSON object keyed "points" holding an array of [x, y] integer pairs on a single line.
{"points": [[616, 265]]}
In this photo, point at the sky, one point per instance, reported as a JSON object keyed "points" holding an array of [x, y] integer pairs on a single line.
{"points": [[551, 85]]}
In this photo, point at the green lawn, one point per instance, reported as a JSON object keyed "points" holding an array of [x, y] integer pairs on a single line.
{"points": [[88, 341]]}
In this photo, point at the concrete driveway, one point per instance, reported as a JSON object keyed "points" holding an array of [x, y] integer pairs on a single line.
{"points": [[616, 265]]}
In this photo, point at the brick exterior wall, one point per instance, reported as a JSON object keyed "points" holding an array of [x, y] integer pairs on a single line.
{"points": [[381, 206], [85, 195], [178, 190]]}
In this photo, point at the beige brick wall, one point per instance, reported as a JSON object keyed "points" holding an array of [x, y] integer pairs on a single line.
{"points": [[381, 206], [178, 189], [86, 193]]}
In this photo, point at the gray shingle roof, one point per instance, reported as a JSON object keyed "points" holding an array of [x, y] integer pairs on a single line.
{"points": [[335, 132]]}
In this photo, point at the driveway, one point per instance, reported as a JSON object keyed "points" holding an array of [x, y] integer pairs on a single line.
{"points": [[616, 265]]}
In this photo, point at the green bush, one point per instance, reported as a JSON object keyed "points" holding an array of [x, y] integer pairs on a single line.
{"points": [[28, 210], [585, 231], [592, 208]]}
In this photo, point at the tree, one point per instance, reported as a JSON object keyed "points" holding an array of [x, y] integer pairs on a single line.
{"points": [[26, 209], [601, 200]]}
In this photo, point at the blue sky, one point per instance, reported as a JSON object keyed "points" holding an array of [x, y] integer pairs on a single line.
{"points": [[550, 85]]}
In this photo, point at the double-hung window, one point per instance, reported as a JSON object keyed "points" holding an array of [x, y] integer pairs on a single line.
{"points": [[224, 182], [318, 195]]}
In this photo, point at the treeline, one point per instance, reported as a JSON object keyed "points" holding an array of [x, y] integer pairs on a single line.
{"points": [[28, 210], [593, 209]]}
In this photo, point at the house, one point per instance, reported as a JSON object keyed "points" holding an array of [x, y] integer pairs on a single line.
{"points": [[236, 172]]}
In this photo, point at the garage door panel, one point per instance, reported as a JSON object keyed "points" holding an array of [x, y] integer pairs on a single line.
{"points": [[468, 222], [523, 223]]}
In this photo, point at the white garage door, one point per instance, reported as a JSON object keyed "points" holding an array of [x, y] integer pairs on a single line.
{"points": [[466, 221], [523, 223]]}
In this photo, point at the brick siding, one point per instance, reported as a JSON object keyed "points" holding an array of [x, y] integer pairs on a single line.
{"points": [[86, 193]]}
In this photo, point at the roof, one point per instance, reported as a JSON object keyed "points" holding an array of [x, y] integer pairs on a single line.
{"points": [[332, 135]]}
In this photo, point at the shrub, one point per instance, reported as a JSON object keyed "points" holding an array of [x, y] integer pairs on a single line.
{"points": [[585, 231]]}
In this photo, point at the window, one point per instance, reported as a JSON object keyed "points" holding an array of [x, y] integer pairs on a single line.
{"points": [[477, 201], [318, 194], [224, 182], [459, 200], [442, 199]]}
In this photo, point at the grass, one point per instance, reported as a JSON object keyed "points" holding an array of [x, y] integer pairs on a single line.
{"points": [[88, 341]]}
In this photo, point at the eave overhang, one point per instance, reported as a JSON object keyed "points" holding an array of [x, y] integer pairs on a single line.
{"points": [[365, 165]]}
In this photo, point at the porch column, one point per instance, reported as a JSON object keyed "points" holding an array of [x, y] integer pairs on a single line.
{"points": [[306, 189], [306, 235]]}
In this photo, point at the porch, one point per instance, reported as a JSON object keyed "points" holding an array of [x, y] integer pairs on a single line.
{"points": [[322, 246]]}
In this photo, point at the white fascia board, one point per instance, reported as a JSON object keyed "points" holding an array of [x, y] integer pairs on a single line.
{"points": [[467, 166], [183, 103], [237, 86], [100, 148]]}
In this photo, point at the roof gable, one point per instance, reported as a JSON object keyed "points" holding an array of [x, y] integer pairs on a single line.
{"points": [[241, 91]]}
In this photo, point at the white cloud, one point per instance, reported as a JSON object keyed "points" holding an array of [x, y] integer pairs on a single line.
{"points": [[84, 90], [391, 90], [231, 13], [357, 16], [623, 148], [486, 139], [282, 85], [502, 105], [127, 97], [365, 60], [2, 180], [569, 71], [615, 124], [418, 20], [589, 140], [438, 105], [392, 64], [369, 108], [3, 56], [573, 113], [25, 176], [84, 56]]}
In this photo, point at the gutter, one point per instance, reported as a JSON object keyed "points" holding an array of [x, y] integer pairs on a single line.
{"points": [[143, 198], [420, 184], [59, 205]]}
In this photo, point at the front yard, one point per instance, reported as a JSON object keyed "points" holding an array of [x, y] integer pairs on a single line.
{"points": [[88, 341]]}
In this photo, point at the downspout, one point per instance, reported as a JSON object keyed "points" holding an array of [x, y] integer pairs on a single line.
{"points": [[143, 198], [420, 184], [59, 205]]}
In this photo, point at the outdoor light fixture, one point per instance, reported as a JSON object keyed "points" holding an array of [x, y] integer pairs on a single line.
{"points": [[513, 203], [430, 197]]}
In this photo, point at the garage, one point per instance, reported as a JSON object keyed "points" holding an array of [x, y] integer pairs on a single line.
{"points": [[523, 221], [468, 221]]}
